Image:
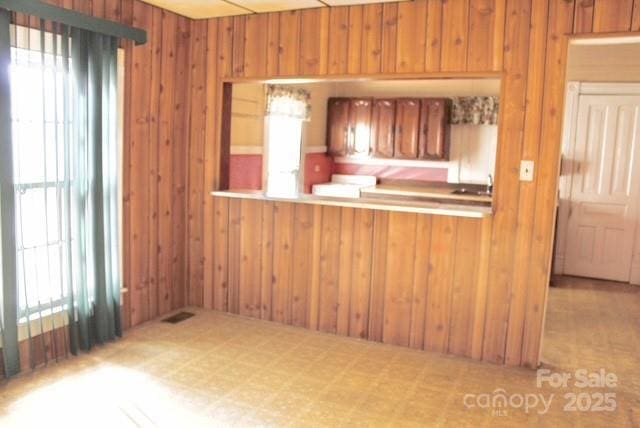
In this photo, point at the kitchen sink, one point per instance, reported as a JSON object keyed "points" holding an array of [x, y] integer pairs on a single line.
{"points": [[465, 191]]}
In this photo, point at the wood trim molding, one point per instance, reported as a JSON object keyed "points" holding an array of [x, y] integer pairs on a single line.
{"points": [[566, 172], [615, 88]]}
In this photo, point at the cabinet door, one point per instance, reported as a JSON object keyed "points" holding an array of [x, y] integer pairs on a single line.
{"points": [[383, 127], [338, 126], [434, 141], [360, 126], [407, 128]]}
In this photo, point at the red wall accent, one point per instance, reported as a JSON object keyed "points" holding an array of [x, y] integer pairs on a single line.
{"points": [[395, 172], [317, 169], [245, 172]]}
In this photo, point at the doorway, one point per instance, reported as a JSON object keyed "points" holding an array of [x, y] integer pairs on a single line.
{"points": [[601, 167]]}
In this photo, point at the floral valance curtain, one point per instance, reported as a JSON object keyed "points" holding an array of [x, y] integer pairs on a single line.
{"points": [[288, 101], [475, 110]]}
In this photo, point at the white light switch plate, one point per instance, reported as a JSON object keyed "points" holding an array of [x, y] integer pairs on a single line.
{"points": [[526, 170]]}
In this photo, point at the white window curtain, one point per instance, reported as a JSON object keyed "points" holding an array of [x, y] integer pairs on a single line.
{"points": [[475, 110]]}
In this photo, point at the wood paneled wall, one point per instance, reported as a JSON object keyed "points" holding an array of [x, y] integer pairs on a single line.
{"points": [[400, 278], [523, 39], [173, 253], [157, 128]]}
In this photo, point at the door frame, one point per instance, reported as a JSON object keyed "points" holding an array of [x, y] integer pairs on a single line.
{"points": [[570, 122]]}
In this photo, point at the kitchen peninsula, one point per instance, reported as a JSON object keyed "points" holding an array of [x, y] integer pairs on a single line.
{"points": [[370, 220]]}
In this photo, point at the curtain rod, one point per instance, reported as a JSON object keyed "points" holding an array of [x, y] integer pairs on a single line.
{"points": [[75, 19]]}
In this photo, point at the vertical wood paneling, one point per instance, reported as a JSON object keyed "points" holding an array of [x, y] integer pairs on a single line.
{"points": [[527, 197], [289, 43], [139, 169], [464, 287], [166, 124], [239, 45], [266, 260], [412, 37], [434, 35], [370, 56], [442, 260], [234, 257], [211, 166], [303, 222], [479, 306], [345, 270], [460, 35], [113, 10], [612, 15], [398, 292], [486, 29], [126, 8], [249, 293], [378, 274], [273, 43], [420, 281], [181, 135], [314, 290], [98, 9], [504, 225], [153, 176], [197, 140], [314, 41], [225, 47], [583, 16], [338, 40], [282, 261], [354, 41], [402, 278], [635, 19], [256, 41], [389, 37], [361, 274], [329, 269], [560, 22], [221, 247], [455, 37]]}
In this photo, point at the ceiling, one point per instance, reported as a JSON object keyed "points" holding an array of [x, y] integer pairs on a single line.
{"points": [[200, 9]]}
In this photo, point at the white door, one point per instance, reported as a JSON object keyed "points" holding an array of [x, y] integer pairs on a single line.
{"points": [[604, 188]]}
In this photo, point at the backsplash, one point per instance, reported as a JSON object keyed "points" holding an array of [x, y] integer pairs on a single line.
{"points": [[392, 172]]}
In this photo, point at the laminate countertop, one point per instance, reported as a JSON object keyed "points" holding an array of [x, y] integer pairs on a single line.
{"points": [[439, 191], [449, 208]]}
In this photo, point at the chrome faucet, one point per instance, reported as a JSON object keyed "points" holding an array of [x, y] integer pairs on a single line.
{"points": [[489, 184]]}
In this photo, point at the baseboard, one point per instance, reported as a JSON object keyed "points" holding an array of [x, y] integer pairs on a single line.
{"points": [[558, 265], [635, 272]]}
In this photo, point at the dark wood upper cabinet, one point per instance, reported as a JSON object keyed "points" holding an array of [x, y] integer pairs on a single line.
{"points": [[383, 124], [338, 126], [349, 126], [434, 138], [407, 128], [401, 128], [360, 126]]}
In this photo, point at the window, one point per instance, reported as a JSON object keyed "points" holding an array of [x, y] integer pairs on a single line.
{"points": [[287, 110], [38, 126], [43, 152], [284, 155]]}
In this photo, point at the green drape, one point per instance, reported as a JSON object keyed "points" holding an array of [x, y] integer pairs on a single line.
{"points": [[9, 319], [85, 181]]}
